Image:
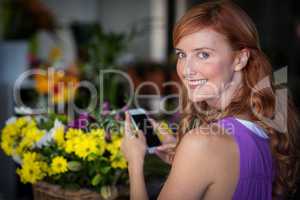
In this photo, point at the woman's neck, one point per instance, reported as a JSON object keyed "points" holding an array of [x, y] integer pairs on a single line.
{"points": [[244, 116]]}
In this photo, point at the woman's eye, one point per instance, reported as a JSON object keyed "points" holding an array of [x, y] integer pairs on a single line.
{"points": [[180, 55], [203, 55]]}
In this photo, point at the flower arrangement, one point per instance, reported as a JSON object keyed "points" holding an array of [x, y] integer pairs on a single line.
{"points": [[84, 153], [58, 84]]}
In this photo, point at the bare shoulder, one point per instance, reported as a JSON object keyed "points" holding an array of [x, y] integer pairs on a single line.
{"points": [[208, 140], [200, 162], [204, 151]]}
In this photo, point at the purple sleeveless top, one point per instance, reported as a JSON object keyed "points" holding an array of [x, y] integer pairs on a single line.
{"points": [[256, 163]]}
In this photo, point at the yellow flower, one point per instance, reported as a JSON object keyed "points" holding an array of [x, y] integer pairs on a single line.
{"points": [[7, 146], [41, 83], [64, 87], [114, 146], [10, 130], [11, 133], [20, 122], [60, 85], [22, 147], [73, 133], [59, 136], [32, 134], [55, 54], [118, 161], [8, 137], [20, 135], [98, 135], [69, 145], [33, 169], [59, 165], [85, 146], [30, 157], [31, 172]]}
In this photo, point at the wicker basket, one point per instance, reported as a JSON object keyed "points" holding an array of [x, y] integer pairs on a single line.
{"points": [[46, 191]]}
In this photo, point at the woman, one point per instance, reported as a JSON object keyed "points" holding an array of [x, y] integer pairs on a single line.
{"points": [[230, 142]]}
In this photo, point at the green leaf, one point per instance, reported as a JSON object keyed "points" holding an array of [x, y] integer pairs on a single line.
{"points": [[74, 166], [96, 180], [92, 156], [105, 170]]}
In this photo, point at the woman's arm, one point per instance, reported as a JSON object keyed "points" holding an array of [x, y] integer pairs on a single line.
{"points": [[137, 182], [193, 169], [134, 149], [198, 161]]}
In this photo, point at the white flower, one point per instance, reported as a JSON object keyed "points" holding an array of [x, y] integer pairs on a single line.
{"points": [[44, 141], [17, 159], [57, 124], [11, 120], [28, 118], [49, 136], [22, 110]]}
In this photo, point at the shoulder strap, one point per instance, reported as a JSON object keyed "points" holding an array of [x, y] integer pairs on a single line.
{"points": [[256, 129], [243, 139]]}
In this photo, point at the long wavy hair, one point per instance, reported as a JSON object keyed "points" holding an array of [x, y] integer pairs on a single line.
{"points": [[261, 102]]}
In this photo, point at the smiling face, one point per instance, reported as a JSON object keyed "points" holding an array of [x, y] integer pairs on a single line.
{"points": [[206, 66]]}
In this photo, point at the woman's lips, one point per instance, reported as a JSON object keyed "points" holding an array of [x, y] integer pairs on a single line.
{"points": [[196, 83]]}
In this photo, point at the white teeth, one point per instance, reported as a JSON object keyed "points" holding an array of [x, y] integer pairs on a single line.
{"points": [[197, 82]]}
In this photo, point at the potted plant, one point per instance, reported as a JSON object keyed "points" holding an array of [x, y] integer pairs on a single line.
{"points": [[80, 159]]}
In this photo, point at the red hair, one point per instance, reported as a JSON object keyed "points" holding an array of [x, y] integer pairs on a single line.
{"points": [[231, 21]]}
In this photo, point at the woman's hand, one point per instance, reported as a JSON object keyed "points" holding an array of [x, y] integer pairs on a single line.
{"points": [[133, 144], [134, 149], [167, 149]]}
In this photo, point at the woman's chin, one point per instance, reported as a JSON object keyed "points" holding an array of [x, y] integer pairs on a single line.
{"points": [[199, 98]]}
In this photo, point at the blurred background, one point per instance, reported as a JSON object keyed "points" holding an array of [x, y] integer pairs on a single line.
{"points": [[79, 37]]}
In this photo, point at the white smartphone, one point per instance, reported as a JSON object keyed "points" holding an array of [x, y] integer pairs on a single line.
{"points": [[140, 120]]}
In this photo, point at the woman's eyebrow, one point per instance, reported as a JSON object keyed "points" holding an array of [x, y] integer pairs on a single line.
{"points": [[203, 48], [176, 49], [196, 49]]}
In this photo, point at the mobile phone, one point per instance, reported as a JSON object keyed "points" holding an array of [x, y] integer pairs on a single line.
{"points": [[140, 120]]}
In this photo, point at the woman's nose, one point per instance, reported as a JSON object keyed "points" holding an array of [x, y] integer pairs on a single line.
{"points": [[190, 67]]}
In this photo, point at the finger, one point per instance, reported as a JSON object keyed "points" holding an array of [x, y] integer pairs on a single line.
{"points": [[153, 123], [165, 147], [163, 156], [127, 117], [167, 138], [140, 135], [161, 130], [159, 154], [128, 131]]}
